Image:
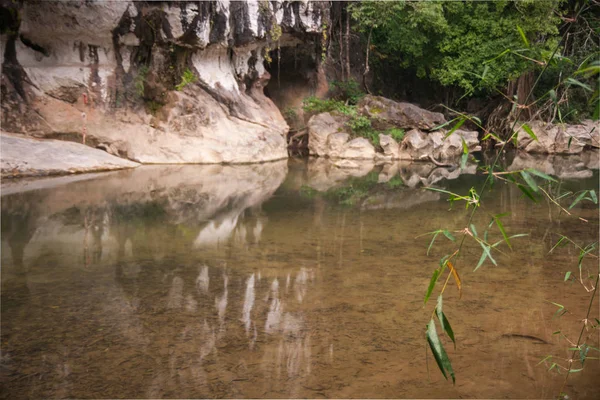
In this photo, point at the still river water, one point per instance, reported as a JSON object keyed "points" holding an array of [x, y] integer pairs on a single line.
{"points": [[277, 280]]}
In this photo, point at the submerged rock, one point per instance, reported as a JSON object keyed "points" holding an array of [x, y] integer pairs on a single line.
{"points": [[22, 156]]}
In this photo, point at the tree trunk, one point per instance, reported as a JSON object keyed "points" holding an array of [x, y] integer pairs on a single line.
{"points": [[341, 43], [367, 62], [348, 73], [521, 88]]}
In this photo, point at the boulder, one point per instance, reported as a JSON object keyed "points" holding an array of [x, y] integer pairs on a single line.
{"points": [[23, 156], [387, 113], [320, 126], [358, 149], [390, 147], [417, 144], [559, 138], [451, 148]]}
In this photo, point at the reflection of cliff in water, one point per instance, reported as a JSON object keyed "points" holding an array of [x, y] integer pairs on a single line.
{"points": [[207, 204], [231, 282]]}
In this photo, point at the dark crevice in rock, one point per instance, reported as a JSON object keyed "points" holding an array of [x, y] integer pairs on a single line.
{"points": [[11, 69], [34, 46], [218, 26], [240, 24]]}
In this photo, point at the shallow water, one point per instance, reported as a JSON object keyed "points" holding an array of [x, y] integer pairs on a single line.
{"points": [[271, 281]]}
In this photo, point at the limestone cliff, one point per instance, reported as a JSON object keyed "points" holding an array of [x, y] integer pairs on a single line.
{"points": [[154, 82]]}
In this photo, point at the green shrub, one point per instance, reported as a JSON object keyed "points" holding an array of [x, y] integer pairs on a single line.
{"points": [[395, 182], [359, 125], [313, 105], [349, 91], [187, 78], [396, 133], [290, 114]]}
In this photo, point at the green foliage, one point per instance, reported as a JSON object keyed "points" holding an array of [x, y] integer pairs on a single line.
{"points": [[314, 105], [140, 79], [360, 125], [187, 78], [348, 91], [354, 190], [153, 106], [396, 133], [395, 182], [308, 192], [477, 46], [290, 114]]}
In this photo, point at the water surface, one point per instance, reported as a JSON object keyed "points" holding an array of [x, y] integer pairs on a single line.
{"points": [[299, 279]]}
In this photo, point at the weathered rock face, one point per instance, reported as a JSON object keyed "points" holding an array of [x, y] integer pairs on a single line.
{"points": [[388, 113], [327, 138], [559, 139], [420, 145], [22, 156], [111, 69]]}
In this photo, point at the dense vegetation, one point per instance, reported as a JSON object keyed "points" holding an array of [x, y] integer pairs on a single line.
{"points": [[480, 56]]}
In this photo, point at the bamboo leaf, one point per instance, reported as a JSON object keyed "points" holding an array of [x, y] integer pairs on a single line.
{"points": [[546, 358], [439, 311], [501, 227], [485, 71], [557, 243], [455, 127], [473, 230], [443, 125], [441, 358], [448, 235], [463, 160], [583, 353], [580, 84], [523, 36], [591, 70], [578, 199], [445, 325], [456, 278], [448, 329], [526, 192], [529, 131], [593, 196], [486, 249], [434, 278], [435, 234], [464, 146], [541, 174], [567, 275], [481, 260], [530, 181]]}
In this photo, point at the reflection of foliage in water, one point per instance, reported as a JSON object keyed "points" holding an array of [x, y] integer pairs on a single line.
{"points": [[354, 190], [149, 211]]}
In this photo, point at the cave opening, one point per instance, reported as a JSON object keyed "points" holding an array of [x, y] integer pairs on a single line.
{"points": [[294, 77]]}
